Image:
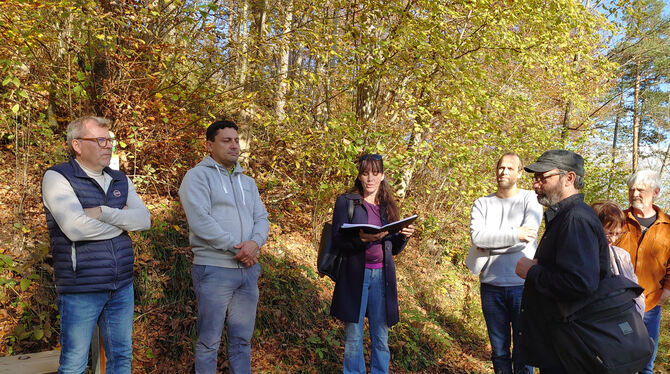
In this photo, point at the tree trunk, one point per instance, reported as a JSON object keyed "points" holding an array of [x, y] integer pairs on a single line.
{"points": [[614, 141], [282, 87], [366, 95], [636, 118], [667, 151], [665, 161], [416, 138], [242, 71], [244, 42], [565, 131], [616, 127]]}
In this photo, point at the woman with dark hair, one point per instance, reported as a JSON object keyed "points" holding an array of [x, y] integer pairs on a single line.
{"points": [[613, 220], [366, 283]]}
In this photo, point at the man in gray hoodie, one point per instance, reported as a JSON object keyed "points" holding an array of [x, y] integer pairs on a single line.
{"points": [[228, 224]]}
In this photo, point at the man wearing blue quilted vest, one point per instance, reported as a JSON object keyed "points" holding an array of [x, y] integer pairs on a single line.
{"points": [[89, 210]]}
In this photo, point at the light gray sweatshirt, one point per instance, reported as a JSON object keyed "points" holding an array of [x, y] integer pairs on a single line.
{"points": [[222, 210], [494, 224]]}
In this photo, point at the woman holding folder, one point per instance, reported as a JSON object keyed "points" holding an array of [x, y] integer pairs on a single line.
{"points": [[366, 283]]}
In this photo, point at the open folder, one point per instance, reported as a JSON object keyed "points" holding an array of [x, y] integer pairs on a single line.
{"points": [[392, 227]]}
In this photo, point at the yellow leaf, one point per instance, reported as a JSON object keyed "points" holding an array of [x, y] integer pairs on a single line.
{"points": [[158, 95]]}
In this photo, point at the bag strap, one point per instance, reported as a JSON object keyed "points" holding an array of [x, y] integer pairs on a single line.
{"points": [[350, 209]]}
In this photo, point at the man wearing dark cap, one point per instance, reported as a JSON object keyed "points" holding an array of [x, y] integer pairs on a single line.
{"points": [[568, 262]]}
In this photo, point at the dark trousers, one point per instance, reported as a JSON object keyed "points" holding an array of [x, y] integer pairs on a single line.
{"points": [[501, 306]]}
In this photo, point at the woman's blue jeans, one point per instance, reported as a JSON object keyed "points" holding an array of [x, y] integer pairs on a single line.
{"points": [[80, 312], [225, 295], [501, 306], [373, 301]]}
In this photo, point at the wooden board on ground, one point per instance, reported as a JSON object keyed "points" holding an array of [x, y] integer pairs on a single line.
{"points": [[31, 363]]}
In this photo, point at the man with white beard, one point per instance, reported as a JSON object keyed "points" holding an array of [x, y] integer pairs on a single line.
{"points": [[646, 236]]}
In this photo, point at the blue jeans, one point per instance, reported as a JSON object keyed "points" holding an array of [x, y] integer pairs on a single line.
{"points": [[373, 301], [225, 294], [501, 306], [652, 319], [79, 313]]}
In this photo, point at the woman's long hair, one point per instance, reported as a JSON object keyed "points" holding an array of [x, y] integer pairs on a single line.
{"points": [[384, 196]]}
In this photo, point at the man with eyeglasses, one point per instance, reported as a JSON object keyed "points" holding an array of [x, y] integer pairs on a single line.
{"points": [[646, 237], [89, 210], [570, 259], [228, 224], [503, 226]]}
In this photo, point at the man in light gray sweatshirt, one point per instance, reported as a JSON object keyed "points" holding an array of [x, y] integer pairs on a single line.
{"points": [[228, 224], [503, 227]]}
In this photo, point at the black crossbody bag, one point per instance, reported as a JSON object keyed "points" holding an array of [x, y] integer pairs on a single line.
{"points": [[329, 257], [604, 333]]}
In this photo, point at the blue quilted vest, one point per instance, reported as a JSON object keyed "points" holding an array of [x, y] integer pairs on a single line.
{"points": [[91, 265]]}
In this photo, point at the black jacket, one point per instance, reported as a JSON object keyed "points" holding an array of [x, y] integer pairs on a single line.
{"points": [[572, 258], [346, 303]]}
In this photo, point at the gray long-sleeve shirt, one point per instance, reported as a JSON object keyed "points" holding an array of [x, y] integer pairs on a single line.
{"points": [[61, 200], [494, 224]]}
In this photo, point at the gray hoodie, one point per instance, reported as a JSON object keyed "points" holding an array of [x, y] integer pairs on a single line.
{"points": [[222, 209]]}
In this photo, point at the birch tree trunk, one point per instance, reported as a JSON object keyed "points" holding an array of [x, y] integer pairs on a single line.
{"points": [[244, 43], [282, 76], [241, 26], [416, 138]]}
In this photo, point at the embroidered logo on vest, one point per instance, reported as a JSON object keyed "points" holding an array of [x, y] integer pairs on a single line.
{"points": [[117, 193]]}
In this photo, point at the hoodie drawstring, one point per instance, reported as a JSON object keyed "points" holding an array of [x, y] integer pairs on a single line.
{"points": [[220, 177], [239, 181]]}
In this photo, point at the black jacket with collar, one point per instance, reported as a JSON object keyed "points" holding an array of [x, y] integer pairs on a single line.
{"points": [[572, 258]]}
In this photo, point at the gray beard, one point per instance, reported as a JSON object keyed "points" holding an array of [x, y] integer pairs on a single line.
{"points": [[547, 201], [637, 205]]}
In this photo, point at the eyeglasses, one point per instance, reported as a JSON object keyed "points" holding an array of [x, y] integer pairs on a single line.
{"points": [[542, 178], [372, 156], [102, 142]]}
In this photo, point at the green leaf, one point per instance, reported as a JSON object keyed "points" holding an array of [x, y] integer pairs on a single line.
{"points": [[38, 334], [25, 283], [15, 108], [6, 260]]}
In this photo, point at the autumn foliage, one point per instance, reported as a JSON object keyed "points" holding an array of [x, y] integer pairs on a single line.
{"points": [[439, 88]]}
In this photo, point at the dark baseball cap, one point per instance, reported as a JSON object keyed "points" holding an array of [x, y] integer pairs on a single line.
{"points": [[558, 159]]}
